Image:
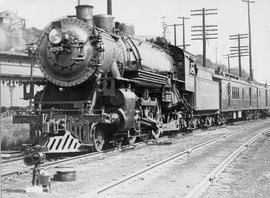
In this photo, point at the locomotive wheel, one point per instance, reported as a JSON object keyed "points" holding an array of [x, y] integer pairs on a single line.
{"points": [[218, 121], [156, 114], [98, 138], [145, 137], [156, 133], [132, 138]]}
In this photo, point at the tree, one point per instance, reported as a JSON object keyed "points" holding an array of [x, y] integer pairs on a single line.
{"points": [[216, 66]]}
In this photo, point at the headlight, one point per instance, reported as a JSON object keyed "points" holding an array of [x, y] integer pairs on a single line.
{"points": [[55, 36]]}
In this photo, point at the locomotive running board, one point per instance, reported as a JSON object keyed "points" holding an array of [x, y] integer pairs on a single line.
{"points": [[61, 144]]}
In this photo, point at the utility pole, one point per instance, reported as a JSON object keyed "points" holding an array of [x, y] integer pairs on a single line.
{"points": [[204, 29], [31, 79], [239, 51], [174, 30], [164, 26], [216, 54], [228, 58], [184, 34], [249, 33], [31, 51]]}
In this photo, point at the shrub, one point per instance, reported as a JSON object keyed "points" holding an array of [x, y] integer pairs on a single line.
{"points": [[14, 135], [15, 108], [3, 109]]}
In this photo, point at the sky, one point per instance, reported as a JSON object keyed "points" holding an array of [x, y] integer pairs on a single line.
{"points": [[146, 16]]}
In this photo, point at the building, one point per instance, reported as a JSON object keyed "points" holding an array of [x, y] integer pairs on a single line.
{"points": [[15, 68], [11, 20], [15, 65]]}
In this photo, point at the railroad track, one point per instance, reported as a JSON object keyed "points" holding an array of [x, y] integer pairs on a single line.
{"points": [[10, 152], [127, 180], [203, 185], [21, 169], [10, 156]]}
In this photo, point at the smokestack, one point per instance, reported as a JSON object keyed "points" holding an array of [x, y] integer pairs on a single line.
{"points": [[85, 12], [109, 7]]}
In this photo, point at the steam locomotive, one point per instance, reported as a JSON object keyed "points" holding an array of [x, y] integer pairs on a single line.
{"points": [[105, 85]]}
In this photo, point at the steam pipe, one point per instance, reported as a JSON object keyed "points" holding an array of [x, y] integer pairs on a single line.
{"points": [[109, 7]]}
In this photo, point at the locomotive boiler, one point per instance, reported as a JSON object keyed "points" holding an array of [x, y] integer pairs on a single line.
{"points": [[71, 50]]}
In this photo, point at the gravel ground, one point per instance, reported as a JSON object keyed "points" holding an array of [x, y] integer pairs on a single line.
{"points": [[180, 176], [248, 176], [95, 172]]}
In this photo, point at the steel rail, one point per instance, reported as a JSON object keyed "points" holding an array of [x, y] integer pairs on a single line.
{"points": [[12, 159], [200, 188], [123, 180], [48, 164], [10, 152], [70, 159]]}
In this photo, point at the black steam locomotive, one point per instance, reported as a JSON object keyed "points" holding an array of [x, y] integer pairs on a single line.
{"points": [[104, 85]]}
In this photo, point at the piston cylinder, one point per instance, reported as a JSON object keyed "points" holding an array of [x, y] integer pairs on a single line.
{"points": [[124, 107]]}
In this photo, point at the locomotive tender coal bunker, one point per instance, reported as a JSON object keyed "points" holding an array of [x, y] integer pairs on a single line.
{"points": [[105, 85]]}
